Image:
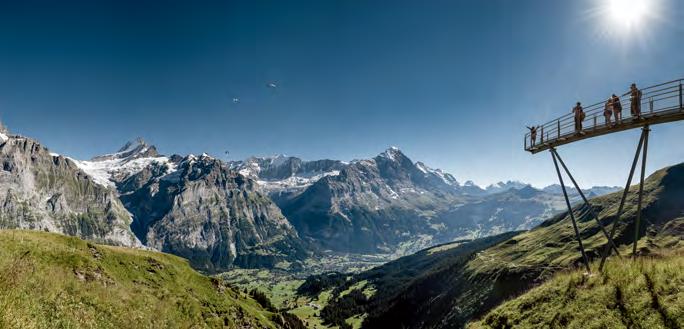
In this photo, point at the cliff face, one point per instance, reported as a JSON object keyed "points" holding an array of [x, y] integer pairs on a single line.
{"points": [[46, 192], [210, 214]]}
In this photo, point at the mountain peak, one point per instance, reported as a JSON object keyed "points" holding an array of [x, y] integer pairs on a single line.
{"points": [[134, 149], [132, 145], [393, 153]]}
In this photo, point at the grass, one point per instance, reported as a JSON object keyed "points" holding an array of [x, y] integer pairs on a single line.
{"points": [[553, 245], [53, 281], [281, 289], [642, 293]]}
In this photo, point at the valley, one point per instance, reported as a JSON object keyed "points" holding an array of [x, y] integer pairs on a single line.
{"points": [[360, 244]]}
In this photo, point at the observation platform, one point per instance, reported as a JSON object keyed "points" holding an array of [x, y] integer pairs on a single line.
{"points": [[661, 103]]}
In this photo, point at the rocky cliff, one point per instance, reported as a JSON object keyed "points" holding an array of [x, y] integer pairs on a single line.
{"points": [[42, 191]]}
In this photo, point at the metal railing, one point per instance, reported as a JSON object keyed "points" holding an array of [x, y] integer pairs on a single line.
{"points": [[664, 98]]}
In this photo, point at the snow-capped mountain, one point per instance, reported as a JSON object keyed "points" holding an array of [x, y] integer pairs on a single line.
{"points": [[197, 207], [281, 174], [133, 157], [504, 186]]}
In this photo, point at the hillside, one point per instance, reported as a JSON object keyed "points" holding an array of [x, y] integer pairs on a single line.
{"points": [[645, 293], [53, 281], [449, 294]]}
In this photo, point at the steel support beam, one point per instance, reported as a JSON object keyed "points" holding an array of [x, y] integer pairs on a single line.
{"points": [[637, 224], [586, 202], [607, 249], [572, 216]]}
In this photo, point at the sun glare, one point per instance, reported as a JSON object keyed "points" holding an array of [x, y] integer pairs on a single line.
{"points": [[628, 13], [630, 22]]}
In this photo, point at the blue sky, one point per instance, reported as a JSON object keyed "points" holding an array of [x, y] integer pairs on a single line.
{"points": [[452, 83]]}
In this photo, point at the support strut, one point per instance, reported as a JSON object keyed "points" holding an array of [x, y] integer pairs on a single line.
{"points": [[637, 224], [572, 216], [607, 248], [586, 202]]}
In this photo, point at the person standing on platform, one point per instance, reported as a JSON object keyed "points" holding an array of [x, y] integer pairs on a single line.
{"points": [[608, 110], [533, 134], [635, 100], [579, 117], [617, 109]]}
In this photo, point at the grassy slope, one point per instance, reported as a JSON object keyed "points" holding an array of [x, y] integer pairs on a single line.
{"points": [[409, 291], [646, 293], [458, 291], [54, 281], [553, 244]]}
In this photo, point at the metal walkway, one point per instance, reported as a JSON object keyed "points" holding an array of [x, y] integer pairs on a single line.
{"points": [[659, 104]]}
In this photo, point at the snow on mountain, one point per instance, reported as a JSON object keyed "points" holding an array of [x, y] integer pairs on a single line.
{"points": [[505, 186], [133, 157], [445, 177], [284, 173], [391, 153], [294, 182]]}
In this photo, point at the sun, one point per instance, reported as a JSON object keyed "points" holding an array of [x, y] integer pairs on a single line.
{"points": [[629, 13], [628, 22]]}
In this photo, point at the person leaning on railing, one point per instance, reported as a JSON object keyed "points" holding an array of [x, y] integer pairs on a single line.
{"points": [[579, 117]]}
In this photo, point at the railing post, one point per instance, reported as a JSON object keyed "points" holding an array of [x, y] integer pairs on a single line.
{"points": [[594, 122], [558, 128], [542, 134], [650, 104], [681, 107]]}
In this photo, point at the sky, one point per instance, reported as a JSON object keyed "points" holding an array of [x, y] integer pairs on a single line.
{"points": [[451, 83]]}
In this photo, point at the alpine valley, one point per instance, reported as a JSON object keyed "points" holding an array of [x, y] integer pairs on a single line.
{"points": [[292, 241], [263, 212]]}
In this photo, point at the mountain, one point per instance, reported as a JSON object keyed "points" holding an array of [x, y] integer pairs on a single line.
{"points": [[210, 214], [470, 188], [398, 208], [48, 192], [511, 210], [199, 208], [594, 191], [133, 157], [371, 205], [282, 176], [391, 204], [504, 186], [643, 294], [53, 281], [447, 286]]}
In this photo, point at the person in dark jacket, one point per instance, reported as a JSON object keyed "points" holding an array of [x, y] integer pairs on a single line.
{"points": [[608, 110], [579, 117], [635, 100], [617, 109]]}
